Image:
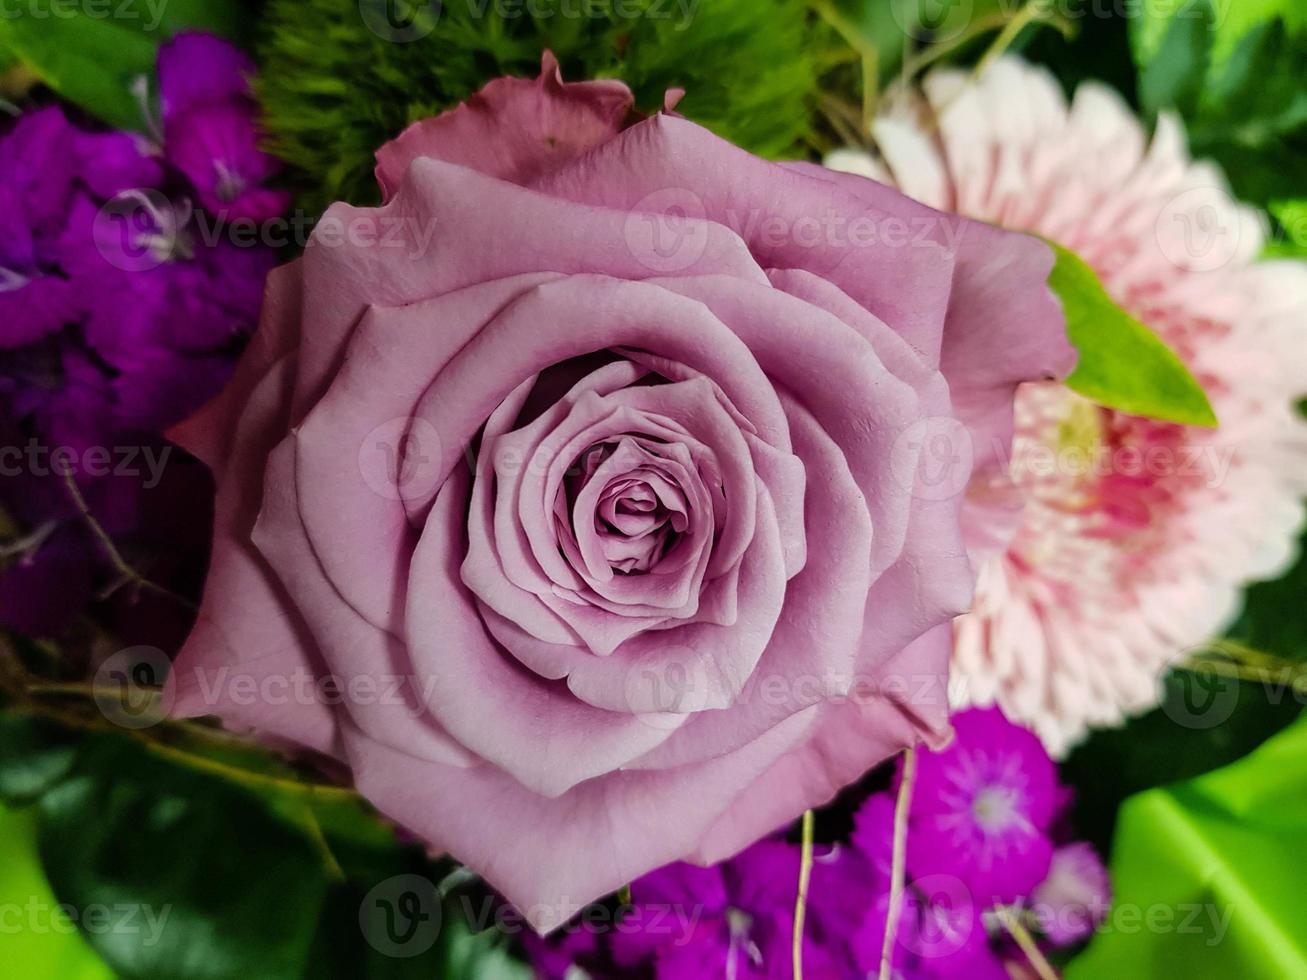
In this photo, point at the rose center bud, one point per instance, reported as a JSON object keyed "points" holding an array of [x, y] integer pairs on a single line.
{"points": [[626, 504]]}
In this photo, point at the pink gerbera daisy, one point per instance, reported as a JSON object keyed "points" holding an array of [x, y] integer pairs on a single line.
{"points": [[1137, 536]]}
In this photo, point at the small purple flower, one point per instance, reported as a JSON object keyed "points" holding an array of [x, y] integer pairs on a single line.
{"points": [[1072, 900], [209, 127], [982, 809]]}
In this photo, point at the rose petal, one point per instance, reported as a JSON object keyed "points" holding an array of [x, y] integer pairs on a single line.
{"points": [[551, 856], [513, 128]]}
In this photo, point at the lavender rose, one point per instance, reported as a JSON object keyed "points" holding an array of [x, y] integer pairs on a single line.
{"points": [[586, 469]]}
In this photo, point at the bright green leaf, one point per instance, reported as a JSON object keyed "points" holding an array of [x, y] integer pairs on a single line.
{"points": [[1122, 364], [37, 942], [1173, 77], [1289, 237], [1208, 875]]}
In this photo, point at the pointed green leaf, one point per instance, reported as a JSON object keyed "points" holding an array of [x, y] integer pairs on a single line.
{"points": [[1123, 364]]}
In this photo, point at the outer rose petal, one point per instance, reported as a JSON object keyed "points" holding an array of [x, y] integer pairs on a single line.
{"points": [[906, 701], [247, 627], [789, 218], [513, 128], [451, 227], [985, 356], [551, 856]]}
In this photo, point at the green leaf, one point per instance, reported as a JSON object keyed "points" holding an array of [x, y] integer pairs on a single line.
{"points": [[1173, 77], [483, 955], [1122, 364], [92, 63], [1228, 21], [221, 888], [1205, 720], [95, 55], [1289, 240], [38, 943], [1207, 875], [1235, 73], [34, 755]]}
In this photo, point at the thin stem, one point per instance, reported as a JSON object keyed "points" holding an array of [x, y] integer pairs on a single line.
{"points": [[801, 900], [332, 866], [1282, 674], [624, 895], [248, 777], [81, 689], [844, 119], [870, 87], [1017, 930], [128, 573], [928, 56], [901, 806], [1035, 12]]}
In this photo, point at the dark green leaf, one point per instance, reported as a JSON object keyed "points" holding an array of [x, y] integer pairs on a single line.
{"points": [[1236, 77], [1272, 620], [34, 755], [1122, 364], [241, 890]]}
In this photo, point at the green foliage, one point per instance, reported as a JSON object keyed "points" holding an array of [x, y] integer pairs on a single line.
{"points": [[34, 755], [1242, 98], [38, 944], [94, 55], [245, 869], [1205, 720], [126, 827], [1122, 364], [1289, 236], [1228, 21], [1272, 620], [335, 88], [1209, 873]]}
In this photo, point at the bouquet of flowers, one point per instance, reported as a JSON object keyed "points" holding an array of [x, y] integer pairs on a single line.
{"points": [[652, 488]]}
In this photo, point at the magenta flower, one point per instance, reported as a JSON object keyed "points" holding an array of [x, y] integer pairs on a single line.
{"points": [[118, 316], [982, 809], [209, 127]]}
